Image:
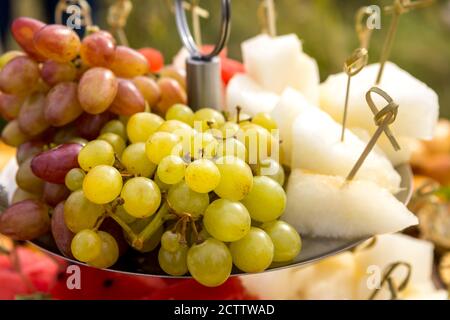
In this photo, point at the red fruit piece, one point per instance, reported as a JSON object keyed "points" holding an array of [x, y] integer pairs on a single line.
{"points": [[154, 58], [53, 165], [23, 30], [230, 67]]}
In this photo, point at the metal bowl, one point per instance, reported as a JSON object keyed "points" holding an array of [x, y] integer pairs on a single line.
{"points": [[314, 248]]}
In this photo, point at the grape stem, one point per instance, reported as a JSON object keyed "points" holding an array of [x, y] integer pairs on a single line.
{"points": [[126, 228], [156, 223]]}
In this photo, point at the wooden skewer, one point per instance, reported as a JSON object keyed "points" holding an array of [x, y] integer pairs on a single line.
{"points": [[118, 14], [383, 118], [352, 66], [364, 33], [397, 9], [267, 17]]}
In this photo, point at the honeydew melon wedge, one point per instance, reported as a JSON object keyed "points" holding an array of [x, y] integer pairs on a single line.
{"points": [[291, 104], [419, 105], [316, 146], [278, 62], [328, 206], [244, 92], [390, 249], [384, 146]]}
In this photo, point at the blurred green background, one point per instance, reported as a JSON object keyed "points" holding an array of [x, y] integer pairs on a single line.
{"points": [[326, 27]]}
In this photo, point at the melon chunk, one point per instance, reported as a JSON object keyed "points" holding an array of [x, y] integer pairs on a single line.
{"points": [[278, 62], [291, 104], [251, 97], [394, 248], [316, 146], [419, 106], [327, 206]]}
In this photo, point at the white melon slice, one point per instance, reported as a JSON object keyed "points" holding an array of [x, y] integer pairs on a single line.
{"points": [[278, 62], [316, 146], [328, 206], [333, 278], [291, 104], [384, 146], [389, 249], [275, 285], [245, 92], [419, 106]]}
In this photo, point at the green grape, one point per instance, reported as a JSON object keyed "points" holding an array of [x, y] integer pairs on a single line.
{"points": [[254, 252], [115, 141], [171, 170], [286, 240], [174, 263], [142, 125], [174, 126], [226, 220], [266, 201], [86, 245], [231, 147], [80, 213], [204, 234], [164, 187], [201, 145], [142, 197], [181, 113], [264, 120], [170, 241], [236, 178], [202, 176], [124, 215], [229, 130], [208, 118], [272, 169], [160, 145], [258, 142], [109, 252], [96, 153], [102, 184], [74, 179], [184, 200], [210, 262], [136, 162], [117, 127]]}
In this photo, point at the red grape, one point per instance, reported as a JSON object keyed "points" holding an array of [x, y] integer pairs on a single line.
{"points": [[129, 63], [53, 72], [54, 193], [97, 89], [23, 30], [61, 234], [53, 165], [98, 49], [128, 100], [28, 149], [19, 76], [10, 106], [148, 88], [25, 220], [62, 105], [32, 116], [111, 226], [89, 126], [171, 93], [58, 43]]}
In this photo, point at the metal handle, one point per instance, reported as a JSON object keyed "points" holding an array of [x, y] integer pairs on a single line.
{"points": [[203, 70]]}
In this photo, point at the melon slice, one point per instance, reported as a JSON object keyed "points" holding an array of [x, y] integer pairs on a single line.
{"points": [[390, 249], [316, 146], [245, 92], [419, 105], [278, 62], [327, 206]]}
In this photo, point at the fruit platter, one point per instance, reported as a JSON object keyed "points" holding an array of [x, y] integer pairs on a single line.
{"points": [[119, 167]]}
